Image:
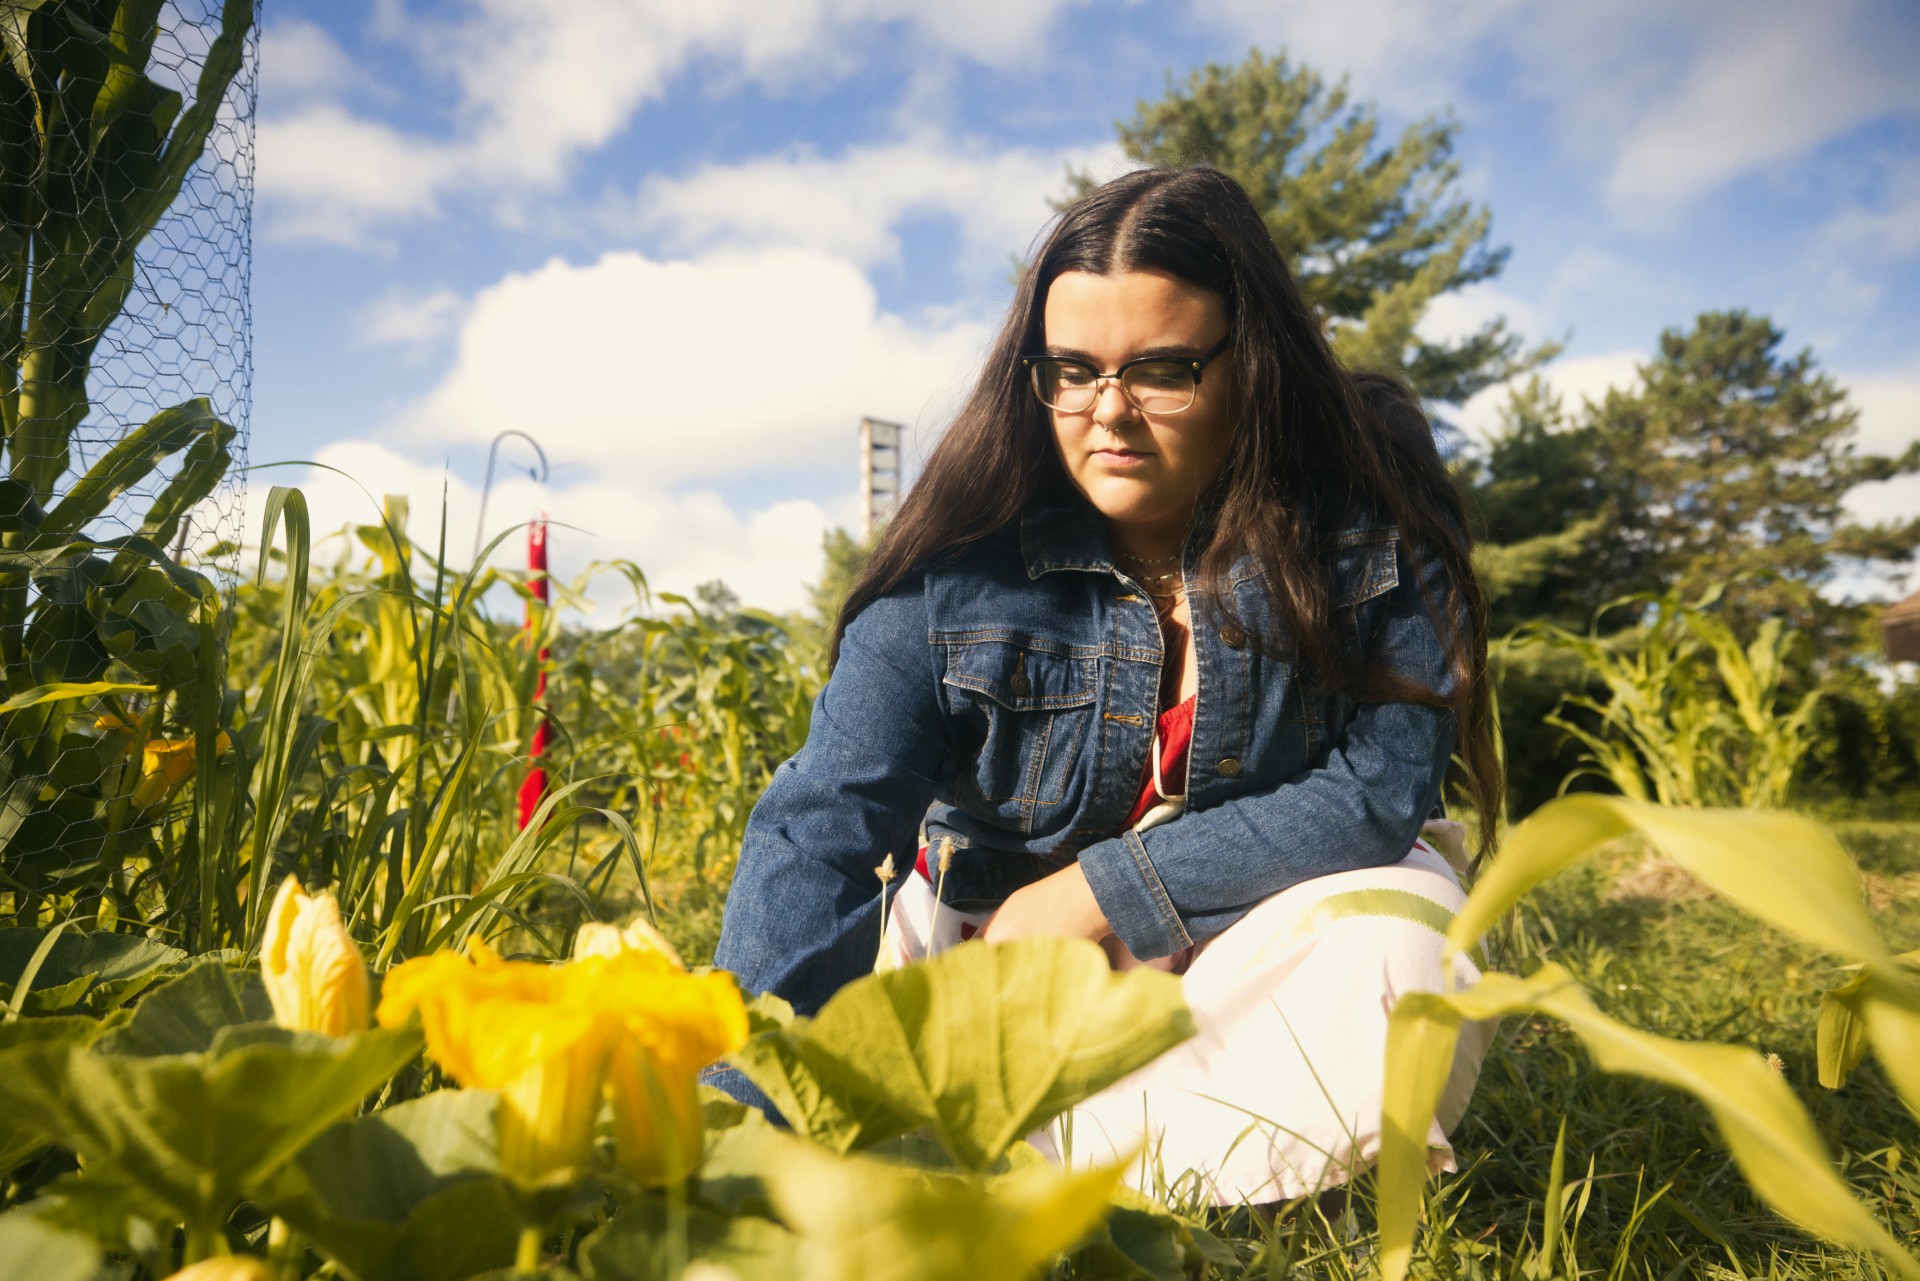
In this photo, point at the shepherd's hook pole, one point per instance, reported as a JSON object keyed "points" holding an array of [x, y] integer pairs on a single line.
{"points": [[493, 450]]}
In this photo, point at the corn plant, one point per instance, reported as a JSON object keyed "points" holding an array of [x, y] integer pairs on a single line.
{"points": [[1673, 727], [93, 150]]}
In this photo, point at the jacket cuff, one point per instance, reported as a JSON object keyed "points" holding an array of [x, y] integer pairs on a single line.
{"points": [[1129, 891]]}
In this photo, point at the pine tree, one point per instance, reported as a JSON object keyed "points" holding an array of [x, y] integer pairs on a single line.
{"points": [[1542, 552], [1375, 231], [1730, 466]]}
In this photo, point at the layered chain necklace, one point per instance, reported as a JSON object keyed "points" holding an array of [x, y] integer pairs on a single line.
{"points": [[1165, 599]]}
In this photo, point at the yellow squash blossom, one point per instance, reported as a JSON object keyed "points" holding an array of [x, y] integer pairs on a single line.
{"points": [[165, 763], [227, 1267], [547, 1036], [676, 1024], [313, 973]]}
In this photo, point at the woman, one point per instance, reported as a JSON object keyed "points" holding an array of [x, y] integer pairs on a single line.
{"points": [[1169, 648]]}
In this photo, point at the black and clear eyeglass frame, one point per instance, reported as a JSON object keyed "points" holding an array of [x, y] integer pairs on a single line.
{"points": [[1034, 366]]}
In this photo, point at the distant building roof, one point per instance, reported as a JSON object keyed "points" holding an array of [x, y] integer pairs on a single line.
{"points": [[1900, 630]]}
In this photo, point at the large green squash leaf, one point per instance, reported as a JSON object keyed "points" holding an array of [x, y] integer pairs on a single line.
{"points": [[864, 1219], [30, 1248], [187, 1014], [1767, 1131], [104, 968], [408, 1192], [648, 1243], [195, 1129], [982, 1045], [18, 1141]]}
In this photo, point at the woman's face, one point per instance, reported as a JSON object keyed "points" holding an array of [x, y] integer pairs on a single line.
{"points": [[1143, 472]]}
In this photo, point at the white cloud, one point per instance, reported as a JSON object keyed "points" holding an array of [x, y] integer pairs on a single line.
{"points": [[1577, 380], [330, 174], [541, 83], [1890, 229], [1450, 317], [1768, 88], [851, 205], [298, 58], [403, 319], [679, 540], [1667, 101], [1411, 55], [664, 372], [1889, 405]]}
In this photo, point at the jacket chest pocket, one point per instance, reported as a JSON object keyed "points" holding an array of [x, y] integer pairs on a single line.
{"points": [[1025, 713]]}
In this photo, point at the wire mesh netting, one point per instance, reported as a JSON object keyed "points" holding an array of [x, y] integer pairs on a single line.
{"points": [[126, 187]]}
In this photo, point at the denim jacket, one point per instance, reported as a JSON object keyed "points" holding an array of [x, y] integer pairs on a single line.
{"points": [[1006, 699]]}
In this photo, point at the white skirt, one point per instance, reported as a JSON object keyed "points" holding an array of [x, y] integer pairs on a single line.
{"points": [[1278, 1095]]}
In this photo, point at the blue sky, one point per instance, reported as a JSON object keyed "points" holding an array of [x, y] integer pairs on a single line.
{"points": [[688, 245]]}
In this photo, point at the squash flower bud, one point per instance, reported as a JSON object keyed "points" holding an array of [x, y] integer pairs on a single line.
{"points": [[596, 938], [313, 973]]}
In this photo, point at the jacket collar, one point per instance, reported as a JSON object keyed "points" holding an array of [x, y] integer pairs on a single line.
{"points": [[1064, 536]]}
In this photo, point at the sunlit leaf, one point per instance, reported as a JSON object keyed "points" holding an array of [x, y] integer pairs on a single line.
{"points": [[982, 1045], [186, 1014], [863, 1219], [108, 968], [1866, 1010], [1767, 1131], [18, 1141], [1783, 868]]}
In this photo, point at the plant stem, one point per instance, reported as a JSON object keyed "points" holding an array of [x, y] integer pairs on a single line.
{"points": [[203, 1242], [527, 1258], [284, 1248]]}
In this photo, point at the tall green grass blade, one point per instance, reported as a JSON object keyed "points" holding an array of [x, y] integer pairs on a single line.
{"points": [[444, 812], [24, 984]]}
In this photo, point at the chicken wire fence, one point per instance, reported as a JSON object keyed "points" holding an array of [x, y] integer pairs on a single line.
{"points": [[126, 188]]}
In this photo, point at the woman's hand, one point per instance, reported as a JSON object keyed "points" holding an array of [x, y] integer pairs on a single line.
{"points": [[1059, 906]]}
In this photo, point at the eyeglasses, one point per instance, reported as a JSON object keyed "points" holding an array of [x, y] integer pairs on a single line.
{"points": [[1152, 384]]}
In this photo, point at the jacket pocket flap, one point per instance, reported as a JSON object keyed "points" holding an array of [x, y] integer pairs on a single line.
{"points": [[1365, 569], [1019, 678]]}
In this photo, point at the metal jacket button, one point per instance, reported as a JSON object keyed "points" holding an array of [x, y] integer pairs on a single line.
{"points": [[1229, 767], [1232, 637], [1020, 684]]}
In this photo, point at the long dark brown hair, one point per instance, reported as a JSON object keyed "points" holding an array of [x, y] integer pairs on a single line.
{"points": [[1315, 445]]}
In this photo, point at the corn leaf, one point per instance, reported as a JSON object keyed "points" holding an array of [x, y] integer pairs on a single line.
{"points": [[1785, 869], [1866, 1010], [1767, 1131]]}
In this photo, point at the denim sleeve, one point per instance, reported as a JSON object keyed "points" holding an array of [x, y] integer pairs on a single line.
{"points": [[802, 916], [1193, 877]]}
